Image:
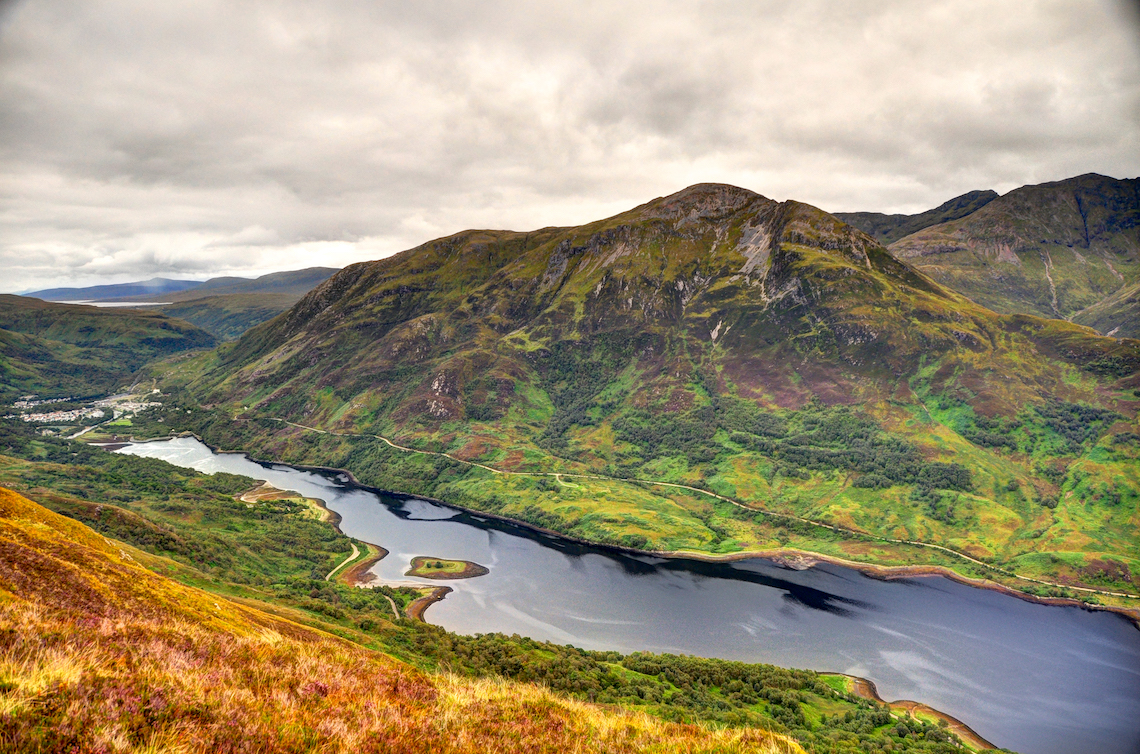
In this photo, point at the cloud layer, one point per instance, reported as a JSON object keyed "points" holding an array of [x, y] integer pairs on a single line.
{"points": [[195, 138]]}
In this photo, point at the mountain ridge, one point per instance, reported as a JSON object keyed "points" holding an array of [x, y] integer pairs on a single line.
{"points": [[890, 228], [1051, 249]]}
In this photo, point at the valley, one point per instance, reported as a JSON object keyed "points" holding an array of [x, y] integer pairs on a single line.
{"points": [[724, 399]]}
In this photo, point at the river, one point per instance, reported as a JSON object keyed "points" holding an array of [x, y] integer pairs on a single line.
{"points": [[1029, 677]]}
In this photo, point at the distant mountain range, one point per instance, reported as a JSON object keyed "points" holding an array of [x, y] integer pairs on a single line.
{"points": [[165, 289], [889, 228], [116, 291], [225, 307]]}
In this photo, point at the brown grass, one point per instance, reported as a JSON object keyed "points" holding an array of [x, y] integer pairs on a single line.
{"points": [[99, 655]]}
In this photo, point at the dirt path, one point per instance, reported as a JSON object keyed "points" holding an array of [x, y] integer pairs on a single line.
{"points": [[355, 554], [755, 508], [392, 602]]}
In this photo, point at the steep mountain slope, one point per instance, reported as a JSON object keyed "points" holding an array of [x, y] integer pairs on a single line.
{"points": [[887, 229], [1051, 250], [100, 654], [62, 349], [715, 339]]}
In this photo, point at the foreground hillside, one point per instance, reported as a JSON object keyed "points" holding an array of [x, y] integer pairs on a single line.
{"points": [[1052, 250], [61, 349], [99, 654]]}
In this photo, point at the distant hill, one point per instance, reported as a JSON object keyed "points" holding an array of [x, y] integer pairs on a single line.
{"points": [[228, 306], [65, 349], [152, 287], [225, 306], [887, 229], [1051, 250], [291, 283]]}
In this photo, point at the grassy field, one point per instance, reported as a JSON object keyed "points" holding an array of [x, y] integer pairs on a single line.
{"points": [[439, 568]]}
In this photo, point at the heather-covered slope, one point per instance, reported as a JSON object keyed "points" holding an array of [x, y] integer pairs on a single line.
{"points": [[99, 654], [887, 229], [61, 349], [1051, 250], [716, 339]]}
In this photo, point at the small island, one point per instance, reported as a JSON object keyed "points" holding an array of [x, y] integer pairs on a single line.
{"points": [[442, 568]]}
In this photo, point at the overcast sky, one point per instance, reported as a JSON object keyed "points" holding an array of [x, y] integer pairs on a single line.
{"points": [[190, 138]]}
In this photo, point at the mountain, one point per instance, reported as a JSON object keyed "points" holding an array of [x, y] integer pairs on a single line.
{"points": [[228, 306], [152, 287], [290, 283], [887, 229], [102, 654], [64, 349], [1051, 250], [713, 340]]}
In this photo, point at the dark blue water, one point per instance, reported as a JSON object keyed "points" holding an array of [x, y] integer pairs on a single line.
{"points": [[1032, 678]]}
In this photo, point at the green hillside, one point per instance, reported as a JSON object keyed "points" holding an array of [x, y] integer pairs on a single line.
{"points": [[229, 316], [1051, 250], [61, 349], [712, 339]]}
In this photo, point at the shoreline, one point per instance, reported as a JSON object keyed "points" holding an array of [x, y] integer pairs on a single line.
{"points": [[866, 689], [357, 573], [415, 609], [788, 557]]}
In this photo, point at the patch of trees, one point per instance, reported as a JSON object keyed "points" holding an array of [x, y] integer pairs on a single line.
{"points": [[1051, 427], [815, 438], [1076, 423], [684, 689], [574, 373]]}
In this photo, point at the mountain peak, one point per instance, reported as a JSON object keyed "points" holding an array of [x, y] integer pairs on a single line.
{"points": [[702, 201]]}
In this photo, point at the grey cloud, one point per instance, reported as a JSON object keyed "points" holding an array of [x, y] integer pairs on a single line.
{"points": [[152, 138]]}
